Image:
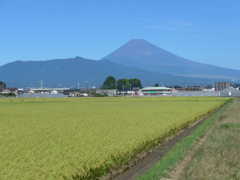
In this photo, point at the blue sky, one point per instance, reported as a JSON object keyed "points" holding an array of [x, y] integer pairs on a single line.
{"points": [[206, 31]]}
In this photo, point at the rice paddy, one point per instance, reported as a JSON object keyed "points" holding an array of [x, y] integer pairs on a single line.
{"points": [[86, 137]]}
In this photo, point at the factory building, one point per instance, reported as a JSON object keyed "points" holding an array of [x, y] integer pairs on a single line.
{"points": [[155, 91]]}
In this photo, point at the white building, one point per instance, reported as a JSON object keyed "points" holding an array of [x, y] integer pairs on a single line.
{"points": [[155, 91]]}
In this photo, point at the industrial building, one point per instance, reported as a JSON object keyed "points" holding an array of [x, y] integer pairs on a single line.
{"points": [[229, 92], [155, 91], [196, 93]]}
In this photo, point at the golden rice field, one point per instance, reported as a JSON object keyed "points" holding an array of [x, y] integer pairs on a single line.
{"points": [[85, 137]]}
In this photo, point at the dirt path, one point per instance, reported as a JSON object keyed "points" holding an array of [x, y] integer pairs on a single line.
{"points": [[176, 172], [150, 160]]}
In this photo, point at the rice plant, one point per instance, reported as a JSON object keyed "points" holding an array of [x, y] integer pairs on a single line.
{"points": [[86, 137]]}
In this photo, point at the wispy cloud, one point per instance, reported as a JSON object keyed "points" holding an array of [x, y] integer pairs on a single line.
{"points": [[174, 25], [180, 24], [190, 27]]}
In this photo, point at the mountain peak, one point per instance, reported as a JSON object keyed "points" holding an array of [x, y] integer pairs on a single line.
{"points": [[140, 45], [139, 51], [135, 49], [141, 54], [137, 41]]}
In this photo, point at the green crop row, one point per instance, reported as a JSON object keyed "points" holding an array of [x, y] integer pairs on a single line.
{"points": [[83, 138]]}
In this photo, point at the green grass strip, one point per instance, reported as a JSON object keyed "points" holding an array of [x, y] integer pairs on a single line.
{"points": [[179, 150]]}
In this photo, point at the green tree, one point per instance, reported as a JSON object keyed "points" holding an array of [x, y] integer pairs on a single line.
{"points": [[156, 85], [109, 83], [135, 83], [123, 84], [11, 95], [2, 84]]}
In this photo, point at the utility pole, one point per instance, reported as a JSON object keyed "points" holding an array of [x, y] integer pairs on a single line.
{"points": [[41, 84]]}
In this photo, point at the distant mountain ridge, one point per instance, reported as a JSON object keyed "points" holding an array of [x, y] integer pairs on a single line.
{"points": [[70, 72], [136, 59], [144, 55]]}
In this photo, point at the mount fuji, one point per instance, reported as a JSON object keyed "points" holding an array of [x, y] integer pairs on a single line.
{"points": [[141, 54]]}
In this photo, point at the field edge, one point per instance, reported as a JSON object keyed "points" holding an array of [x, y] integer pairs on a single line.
{"points": [[130, 159], [176, 153]]}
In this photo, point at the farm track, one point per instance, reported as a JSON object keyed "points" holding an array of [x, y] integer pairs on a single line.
{"points": [[142, 165]]}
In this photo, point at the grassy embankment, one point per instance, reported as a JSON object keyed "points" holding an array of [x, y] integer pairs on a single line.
{"points": [[87, 137], [219, 156], [216, 158]]}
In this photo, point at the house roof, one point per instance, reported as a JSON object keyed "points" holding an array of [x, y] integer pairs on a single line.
{"points": [[155, 88], [37, 95], [10, 89]]}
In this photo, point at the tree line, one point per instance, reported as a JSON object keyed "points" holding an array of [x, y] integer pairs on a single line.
{"points": [[121, 84], [2, 84]]}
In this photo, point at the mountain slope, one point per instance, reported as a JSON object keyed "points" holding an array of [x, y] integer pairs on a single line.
{"points": [[70, 72], [144, 55]]}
